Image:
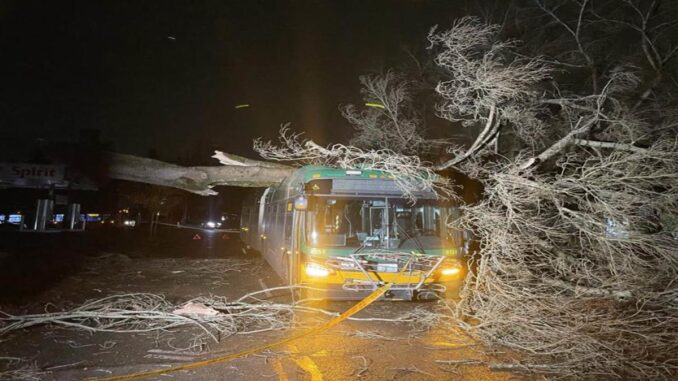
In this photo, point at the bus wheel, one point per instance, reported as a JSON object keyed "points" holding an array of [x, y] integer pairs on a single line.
{"points": [[248, 251]]}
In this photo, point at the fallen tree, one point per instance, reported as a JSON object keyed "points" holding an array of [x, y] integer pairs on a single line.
{"points": [[410, 172], [234, 171], [577, 154], [578, 254]]}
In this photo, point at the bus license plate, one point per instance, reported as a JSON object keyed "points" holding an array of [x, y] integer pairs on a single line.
{"points": [[387, 267]]}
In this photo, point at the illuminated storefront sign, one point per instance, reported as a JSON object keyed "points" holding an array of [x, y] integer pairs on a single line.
{"points": [[26, 175]]}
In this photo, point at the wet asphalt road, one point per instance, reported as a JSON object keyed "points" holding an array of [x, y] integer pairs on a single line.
{"points": [[368, 349]]}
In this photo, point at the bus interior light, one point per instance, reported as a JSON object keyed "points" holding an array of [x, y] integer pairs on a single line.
{"points": [[316, 270], [300, 203]]}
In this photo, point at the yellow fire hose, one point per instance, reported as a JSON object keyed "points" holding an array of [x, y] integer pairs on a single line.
{"points": [[220, 359]]}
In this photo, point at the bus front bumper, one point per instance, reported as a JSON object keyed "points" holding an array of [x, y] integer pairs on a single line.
{"points": [[432, 291], [351, 285]]}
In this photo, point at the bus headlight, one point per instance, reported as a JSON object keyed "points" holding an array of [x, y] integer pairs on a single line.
{"points": [[450, 270], [316, 270]]}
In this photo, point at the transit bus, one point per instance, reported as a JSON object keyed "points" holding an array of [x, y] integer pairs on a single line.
{"points": [[342, 233]]}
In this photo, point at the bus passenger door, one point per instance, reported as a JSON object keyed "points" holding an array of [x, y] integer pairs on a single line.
{"points": [[286, 247], [294, 256], [263, 220]]}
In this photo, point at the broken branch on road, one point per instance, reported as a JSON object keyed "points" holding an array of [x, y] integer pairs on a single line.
{"points": [[215, 317]]}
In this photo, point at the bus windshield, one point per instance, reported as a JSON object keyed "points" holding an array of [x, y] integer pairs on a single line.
{"points": [[391, 223]]}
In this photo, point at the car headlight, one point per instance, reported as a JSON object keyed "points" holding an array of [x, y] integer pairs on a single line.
{"points": [[316, 270], [210, 224]]}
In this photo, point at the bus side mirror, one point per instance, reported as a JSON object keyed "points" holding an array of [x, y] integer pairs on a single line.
{"points": [[300, 203]]}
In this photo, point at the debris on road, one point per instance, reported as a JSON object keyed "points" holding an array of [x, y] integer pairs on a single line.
{"points": [[18, 369], [193, 309], [142, 312], [176, 314], [215, 316]]}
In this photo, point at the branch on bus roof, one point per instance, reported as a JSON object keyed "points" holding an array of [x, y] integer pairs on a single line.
{"points": [[410, 173], [231, 159]]}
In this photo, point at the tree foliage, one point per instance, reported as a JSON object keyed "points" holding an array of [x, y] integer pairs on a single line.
{"points": [[411, 174], [487, 81], [575, 101], [577, 155], [389, 119]]}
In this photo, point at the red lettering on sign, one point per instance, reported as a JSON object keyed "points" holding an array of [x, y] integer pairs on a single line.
{"points": [[23, 172]]}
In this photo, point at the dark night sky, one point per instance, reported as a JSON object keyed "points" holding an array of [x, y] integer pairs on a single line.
{"points": [[112, 66]]}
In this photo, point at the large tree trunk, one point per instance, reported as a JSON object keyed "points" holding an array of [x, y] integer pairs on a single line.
{"points": [[235, 171]]}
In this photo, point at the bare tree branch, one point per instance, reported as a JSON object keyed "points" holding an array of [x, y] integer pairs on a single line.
{"points": [[577, 258], [410, 173], [576, 35], [491, 128], [488, 83], [391, 121], [611, 145]]}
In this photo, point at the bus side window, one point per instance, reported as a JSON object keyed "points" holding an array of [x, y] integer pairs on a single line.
{"points": [[270, 219], [279, 219], [276, 221]]}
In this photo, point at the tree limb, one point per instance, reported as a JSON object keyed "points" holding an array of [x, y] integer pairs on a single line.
{"points": [[487, 133], [200, 179], [619, 146], [559, 145], [231, 159]]}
